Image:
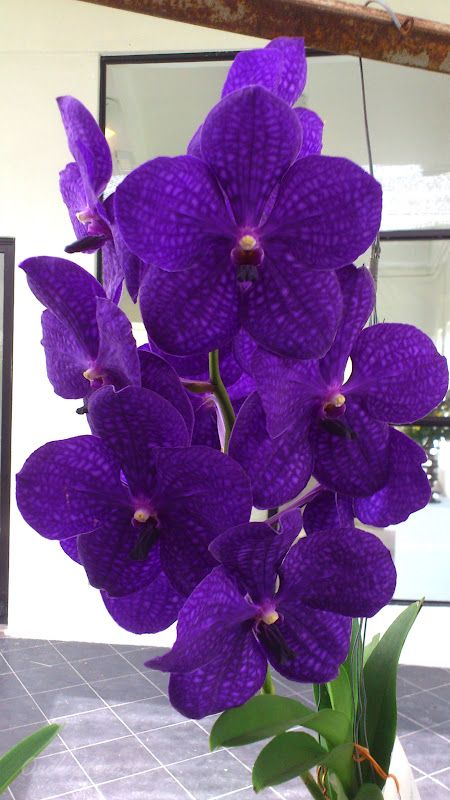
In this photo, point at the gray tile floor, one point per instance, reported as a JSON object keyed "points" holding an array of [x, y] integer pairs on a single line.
{"points": [[121, 740]]}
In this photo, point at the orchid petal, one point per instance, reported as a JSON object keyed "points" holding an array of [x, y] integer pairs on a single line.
{"points": [[278, 468], [148, 610], [399, 371], [407, 489], [69, 292], [192, 312], [327, 213], [208, 624], [170, 210], [249, 139], [106, 555], [69, 487]]}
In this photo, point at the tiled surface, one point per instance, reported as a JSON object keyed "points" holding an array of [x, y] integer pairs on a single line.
{"points": [[121, 740]]}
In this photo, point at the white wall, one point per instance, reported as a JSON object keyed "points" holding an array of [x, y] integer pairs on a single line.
{"points": [[52, 47]]}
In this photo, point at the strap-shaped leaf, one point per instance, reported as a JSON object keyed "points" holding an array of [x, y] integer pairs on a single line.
{"points": [[268, 715], [291, 754], [340, 693], [380, 678], [16, 759], [369, 791], [370, 647]]}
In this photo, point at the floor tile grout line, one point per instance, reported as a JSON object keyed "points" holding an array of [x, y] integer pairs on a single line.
{"points": [[135, 736], [438, 772], [137, 670], [230, 751], [230, 794], [49, 723]]}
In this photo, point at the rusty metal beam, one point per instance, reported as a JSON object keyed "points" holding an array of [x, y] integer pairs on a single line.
{"points": [[328, 25]]}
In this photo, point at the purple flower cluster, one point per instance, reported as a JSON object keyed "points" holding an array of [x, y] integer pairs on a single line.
{"points": [[241, 249]]}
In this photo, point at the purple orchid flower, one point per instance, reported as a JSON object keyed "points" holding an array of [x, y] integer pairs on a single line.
{"points": [[139, 501], [87, 340], [237, 620], [306, 419], [246, 238], [280, 67], [81, 183]]}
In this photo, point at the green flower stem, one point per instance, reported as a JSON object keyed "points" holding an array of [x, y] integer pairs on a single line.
{"points": [[311, 785], [268, 687], [221, 395]]}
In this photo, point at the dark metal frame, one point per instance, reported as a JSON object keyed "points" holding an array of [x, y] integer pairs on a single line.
{"points": [[228, 55], [8, 249]]}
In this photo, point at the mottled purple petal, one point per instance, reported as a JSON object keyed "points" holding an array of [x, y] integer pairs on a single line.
{"points": [[399, 371], [319, 641], [208, 624], [355, 466], [244, 346], [125, 264], [327, 213], [194, 311], [132, 422], [294, 66], [199, 494], [69, 292], [69, 487], [407, 489], [280, 67], [73, 194], [149, 610], [278, 468], [87, 143], [160, 377], [358, 297], [185, 557], [328, 511], [228, 681], [112, 271], [252, 554], [70, 548], [170, 210], [290, 523], [344, 570], [205, 430], [117, 352], [106, 556], [302, 384], [249, 139], [260, 67], [291, 312], [312, 127], [65, 359]]}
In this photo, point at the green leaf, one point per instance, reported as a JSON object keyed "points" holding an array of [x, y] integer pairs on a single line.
{"points": [[341, 693], [380, 679], [286, 757], [291, 754], [16, 759], [267, 715], [369, 791], [369, 648]]}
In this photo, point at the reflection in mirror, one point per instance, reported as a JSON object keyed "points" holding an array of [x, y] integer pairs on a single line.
{"points": [[154, 108]]}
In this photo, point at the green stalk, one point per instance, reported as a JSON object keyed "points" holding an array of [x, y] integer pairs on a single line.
{"points": [[221, 395], [311, 785], [268, 687]]}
